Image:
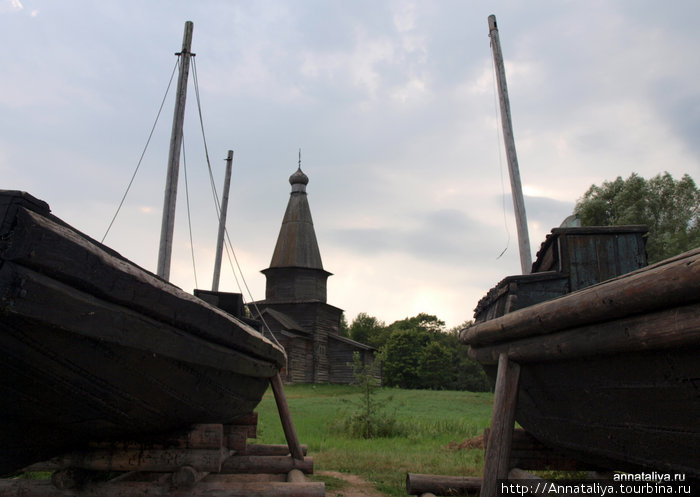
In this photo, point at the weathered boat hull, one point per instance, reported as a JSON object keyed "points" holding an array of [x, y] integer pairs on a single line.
{"points": [[611, 372], [94, 348], [628, 412]]}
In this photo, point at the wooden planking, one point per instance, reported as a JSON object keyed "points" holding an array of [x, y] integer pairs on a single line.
{"points": [[529, 453], [26, 293], [628, 241], [594, 257], [99, 391], [55, 249], [604, 409], [569, 260], [516, 292], [670, 283]]}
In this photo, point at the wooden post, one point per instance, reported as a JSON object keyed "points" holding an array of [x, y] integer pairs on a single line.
{"points": [[168, 224], [222, 222], [497, 457], [515, 185], [286, 418]]}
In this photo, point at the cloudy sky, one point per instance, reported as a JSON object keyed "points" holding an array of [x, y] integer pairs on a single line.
{"points": [[393, 105]]}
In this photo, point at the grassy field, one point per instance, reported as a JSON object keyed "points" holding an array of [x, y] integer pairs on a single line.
{"points": [[431, 420]]}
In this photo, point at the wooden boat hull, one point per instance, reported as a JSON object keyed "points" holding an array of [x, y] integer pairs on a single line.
{"points": [[610, 373], [93, 348], [630, 412]]}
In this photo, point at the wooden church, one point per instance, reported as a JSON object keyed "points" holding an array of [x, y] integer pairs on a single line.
{"points": [[295, 307]]}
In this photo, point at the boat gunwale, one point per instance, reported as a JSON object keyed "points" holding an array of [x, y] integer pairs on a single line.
{"points": [[87, 314]]}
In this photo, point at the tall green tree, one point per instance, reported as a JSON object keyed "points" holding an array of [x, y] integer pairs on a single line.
{"points": [[422, 321], [670, 208], [402, 355], [435, 366], [368, 330], [420, 353]]}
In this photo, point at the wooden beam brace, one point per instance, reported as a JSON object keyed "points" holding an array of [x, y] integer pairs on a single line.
{"points": [[497, 458], [286, 418]]}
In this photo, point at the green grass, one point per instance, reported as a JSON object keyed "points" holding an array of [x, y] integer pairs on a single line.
{"points": [[432, 419]]}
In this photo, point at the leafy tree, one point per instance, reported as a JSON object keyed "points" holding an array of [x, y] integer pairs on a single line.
{"points": [[467, 373], [402, 355], [670, 208], [421, 354], [368, 330], [435, 366], [417, 352], [424, 322]]}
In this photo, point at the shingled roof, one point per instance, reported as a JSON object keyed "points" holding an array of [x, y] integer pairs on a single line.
{"points": [[296, 244]]}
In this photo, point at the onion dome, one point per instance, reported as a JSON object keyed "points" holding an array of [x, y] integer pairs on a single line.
{"points": [[299, 178]]}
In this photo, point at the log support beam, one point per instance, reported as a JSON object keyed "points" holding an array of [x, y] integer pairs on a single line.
{"points": [[497, 458], [286, 417], [418, 484]]}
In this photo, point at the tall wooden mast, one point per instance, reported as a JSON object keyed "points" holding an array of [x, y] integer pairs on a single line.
{"points": [[222, 223], [168, 224], [514, 171]]}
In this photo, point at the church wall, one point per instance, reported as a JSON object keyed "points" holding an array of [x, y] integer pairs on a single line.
{"points": [[340, 356], [290, 284]]}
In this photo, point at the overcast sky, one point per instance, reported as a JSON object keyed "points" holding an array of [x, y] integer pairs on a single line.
{"points": [[394, 108]]}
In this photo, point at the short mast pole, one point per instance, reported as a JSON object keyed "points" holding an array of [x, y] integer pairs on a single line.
{"points": [[168, 224], [515, 185], [222, 223]]}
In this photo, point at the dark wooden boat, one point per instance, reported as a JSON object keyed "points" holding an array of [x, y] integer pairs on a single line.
{"points": [[610, 372], [95, 348]]}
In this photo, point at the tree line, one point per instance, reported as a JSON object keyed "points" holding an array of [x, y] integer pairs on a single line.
{"points": [[419, 352]]}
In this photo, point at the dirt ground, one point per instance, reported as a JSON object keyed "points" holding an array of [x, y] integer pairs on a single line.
{"points": [[356, 487]]}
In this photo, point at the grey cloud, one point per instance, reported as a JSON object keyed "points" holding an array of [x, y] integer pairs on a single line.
{"points": [[444, 235]]}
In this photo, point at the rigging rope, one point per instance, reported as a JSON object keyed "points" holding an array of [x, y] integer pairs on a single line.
{"points": [[217, 205], [189, 217], [500, 156], [133, 176]]}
